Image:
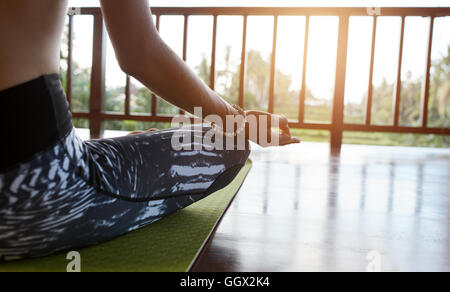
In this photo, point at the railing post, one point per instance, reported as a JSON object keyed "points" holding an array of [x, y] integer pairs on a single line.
{"points": [[97, 77], [271, 103], [212, 73], [301, 110], [127, 94], [243, 63], [339, 89], [69, 61], [185, 44], [372, 62], [426, 83], [154, 97], [398, 83]]}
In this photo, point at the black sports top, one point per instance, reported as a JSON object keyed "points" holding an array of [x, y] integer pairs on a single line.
{"points": [[33, 116]]}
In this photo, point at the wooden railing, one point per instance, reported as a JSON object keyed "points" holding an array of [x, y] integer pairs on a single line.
{"points": [[96, 116]]}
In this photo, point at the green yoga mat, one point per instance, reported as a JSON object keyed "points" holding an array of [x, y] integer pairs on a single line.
{"points": [[171, 244]]}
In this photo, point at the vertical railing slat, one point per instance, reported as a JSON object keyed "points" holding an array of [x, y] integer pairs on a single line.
{"points": [[97, 77], [212, 73], [273, 66], [339, 90], [69, 61], [127, 95], [426, 83], [398, 85], [372, 60], [301, 110], [243, 63], [185, 44], [185, 36], [154, 97]]}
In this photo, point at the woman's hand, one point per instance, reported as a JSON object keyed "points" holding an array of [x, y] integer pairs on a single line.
{"points": [[283, 135]]}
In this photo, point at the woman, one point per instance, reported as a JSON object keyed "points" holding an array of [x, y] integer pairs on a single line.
{"points": [[59, 193]]}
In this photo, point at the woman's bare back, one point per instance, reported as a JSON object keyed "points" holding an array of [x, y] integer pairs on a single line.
{"points": [[30, 37]]}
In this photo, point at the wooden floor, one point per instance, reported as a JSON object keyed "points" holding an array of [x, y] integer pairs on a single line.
{"points": [[302, 210]]}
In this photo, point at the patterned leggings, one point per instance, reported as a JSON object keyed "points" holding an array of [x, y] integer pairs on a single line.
{"points": [[77, 194]]}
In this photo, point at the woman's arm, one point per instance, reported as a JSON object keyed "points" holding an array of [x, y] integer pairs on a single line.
{"points": [[142, 53]]}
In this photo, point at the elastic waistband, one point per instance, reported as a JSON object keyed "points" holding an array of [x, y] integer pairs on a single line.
{"points": [[33, 116]]}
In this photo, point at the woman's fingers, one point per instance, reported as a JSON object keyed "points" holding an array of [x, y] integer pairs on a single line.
{"points": [[282, 140], [287, 140], [283, 135], [283, 122]]}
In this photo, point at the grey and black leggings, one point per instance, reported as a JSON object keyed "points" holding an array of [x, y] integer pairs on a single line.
{"points": [[58, 192]]}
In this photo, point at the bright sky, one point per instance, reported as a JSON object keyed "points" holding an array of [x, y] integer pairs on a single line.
{"points": [[322, 49]]}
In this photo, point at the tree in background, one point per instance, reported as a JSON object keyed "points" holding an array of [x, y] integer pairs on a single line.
{"points": [[257, 80], [382, 103], [411, 94], [439, 110]]}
